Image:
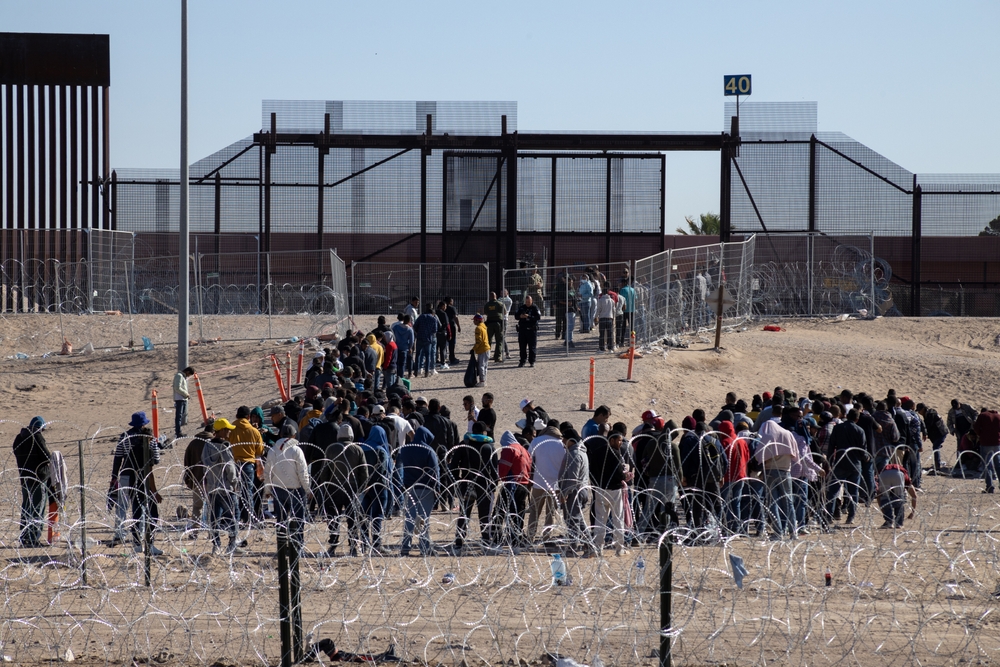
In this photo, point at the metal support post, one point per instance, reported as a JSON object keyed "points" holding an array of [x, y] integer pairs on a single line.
{"points": [[147, 524], [83, 515], [666, 588], [184, 248], [915, 235], [871, 250]]}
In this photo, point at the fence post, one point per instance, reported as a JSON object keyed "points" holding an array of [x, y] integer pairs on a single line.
{"points": [[83, 515], [270, 295], [915, 250], [420, 276], [90, 272], [197, 290], [670, 274], [871, 249], [128, 297], [354, 297], [666, 588]]}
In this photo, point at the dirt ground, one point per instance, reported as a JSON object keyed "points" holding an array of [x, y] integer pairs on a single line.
{"points": [[923, 595]]}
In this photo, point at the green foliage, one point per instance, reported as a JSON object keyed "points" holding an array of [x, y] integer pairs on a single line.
{"points": [[992, 228], [707, 225]]}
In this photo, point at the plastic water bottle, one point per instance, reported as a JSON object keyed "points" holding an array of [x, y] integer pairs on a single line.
{"points": [[558, 570], [640, 572]]}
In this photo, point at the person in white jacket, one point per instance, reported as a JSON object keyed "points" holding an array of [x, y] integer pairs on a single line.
{"points": [[286, 477]]}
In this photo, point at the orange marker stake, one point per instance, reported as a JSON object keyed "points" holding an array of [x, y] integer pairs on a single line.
{"points": [[298, 371], [201, 399], [631, 356], [590, 399], [277, 377], [288, 374], [156, 417]]}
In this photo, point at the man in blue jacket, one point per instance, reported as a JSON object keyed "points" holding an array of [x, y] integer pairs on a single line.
{"points": [[420, 482], [405, 340]]}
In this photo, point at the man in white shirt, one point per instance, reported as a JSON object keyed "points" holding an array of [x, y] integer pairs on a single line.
{"points": [[606, 321], [286, 477], [777, 452], [413, 309], [471, 412], [547, 454]]}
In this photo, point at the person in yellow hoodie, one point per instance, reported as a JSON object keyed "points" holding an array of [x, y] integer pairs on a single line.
{"points": [[481, 349], [380, 353], [248, 448]]}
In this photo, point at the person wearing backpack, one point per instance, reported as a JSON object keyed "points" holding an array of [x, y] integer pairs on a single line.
{"points": [[342, 478], [470, 465], [32, 458], [421, 479], [936, 431], [220, 479], [660, 463], [375, 502], [961, 417], [133, 472]]}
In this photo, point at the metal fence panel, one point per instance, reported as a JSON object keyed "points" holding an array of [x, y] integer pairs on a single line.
{"points": [[817, 274], [672, 286], [381, 288]]}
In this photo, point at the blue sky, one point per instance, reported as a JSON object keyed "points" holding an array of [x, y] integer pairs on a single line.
{"points": [[915, 81]]}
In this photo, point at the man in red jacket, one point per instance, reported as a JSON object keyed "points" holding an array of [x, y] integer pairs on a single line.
{"points": [[389, 359], [514, 469], [733, 481]]}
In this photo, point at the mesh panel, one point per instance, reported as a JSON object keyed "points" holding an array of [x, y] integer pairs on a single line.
{"points": [[379, 288]]}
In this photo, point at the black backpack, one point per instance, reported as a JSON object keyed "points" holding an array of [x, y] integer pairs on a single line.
{"points": [[934, 423]]}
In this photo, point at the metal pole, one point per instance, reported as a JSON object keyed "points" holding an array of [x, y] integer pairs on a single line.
{"points": [[666, 307], [871, 248], [284, 611], [269, 295], [198, 292], [128, 297], [420, 285], [184, 241], [83, 515], [666, 588], [147, 526]]}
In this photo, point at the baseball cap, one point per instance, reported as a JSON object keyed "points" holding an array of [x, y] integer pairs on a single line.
{"points": [[319, 355], [378, 410], [420, 399], [345, 432], [539, 424], [766, 396], [525, 402], [649, 414], [222, 424]]}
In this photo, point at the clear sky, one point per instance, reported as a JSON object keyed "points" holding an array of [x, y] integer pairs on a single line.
{"points": [[916, 81]]}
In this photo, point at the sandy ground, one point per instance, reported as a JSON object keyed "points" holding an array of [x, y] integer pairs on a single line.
{"points": [[920, 596]]}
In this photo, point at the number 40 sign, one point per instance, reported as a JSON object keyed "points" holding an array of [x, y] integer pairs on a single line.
{"points": [[737, 84]]}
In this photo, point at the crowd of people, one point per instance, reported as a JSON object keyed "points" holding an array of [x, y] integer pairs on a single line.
{"points": [[355, 446]]}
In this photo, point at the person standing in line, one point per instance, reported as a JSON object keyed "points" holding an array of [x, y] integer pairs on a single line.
{"points": [[481, 349], [32, 457], [514, 473], [586, 291], [961, 417], [425, 330], [606, 321], [194, 479], [776, 454], [286, 477], [571, 310], [413, 308], [133, 472], [495, 315], [893, 486], [181, 396], [342, 480], [456, 328], [559, 300], [421, 478], [247, 446], [405, 340], [574, 490], [487, 415], [547, 453], [536, 289], [508, 305], [445, 335], [527, 317], [936, 431], [220, 485], [625, 323]]}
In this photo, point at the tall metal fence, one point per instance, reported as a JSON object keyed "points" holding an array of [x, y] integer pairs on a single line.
{"points": [[381, 288], [819, 274], [672, 288]]}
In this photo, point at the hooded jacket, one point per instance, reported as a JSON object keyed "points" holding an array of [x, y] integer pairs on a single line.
{"points": [[31, 453], [343, 468], [515, 463], [377, 443], [482, 344], [547, 454], [286, 467], [574, 473], [246, 442], [388, 350], [418, 461], [737, 453], [607, 470], [220, 469], [379, 352]]}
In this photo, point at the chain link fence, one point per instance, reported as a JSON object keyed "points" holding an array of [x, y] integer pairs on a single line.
{"points": [[382, 288], [672, 288], [818, 274], [118, 302]]}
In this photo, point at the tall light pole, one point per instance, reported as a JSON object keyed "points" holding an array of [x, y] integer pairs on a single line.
{"points": [[184, 241]]}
